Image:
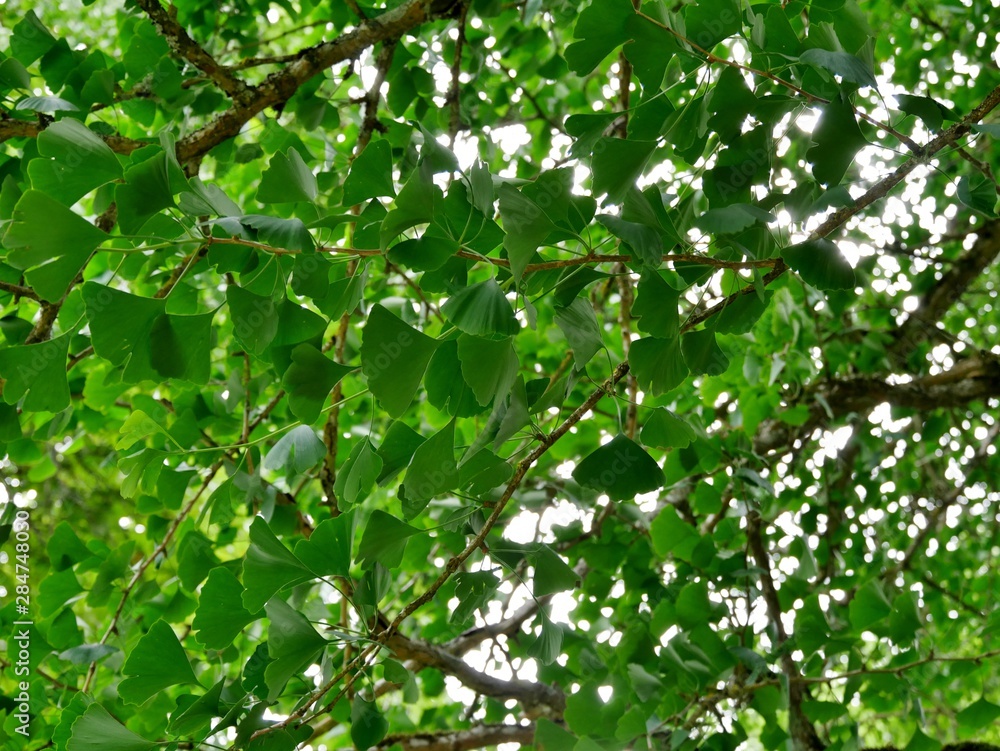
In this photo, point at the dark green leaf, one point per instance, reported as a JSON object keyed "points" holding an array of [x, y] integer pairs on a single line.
{"points": [[287, 179], [384, 540], [156, 662], [482, 310], [821, 264], [394, 357], [620, 468], [50, 241], [269, 567], [97, 730], [432, 471]]}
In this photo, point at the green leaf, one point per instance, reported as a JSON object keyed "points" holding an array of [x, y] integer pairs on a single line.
{"points": [[708, 22], [297, 451], [357, 476], [904, 620], [414, 205], [488, 366], [483, 472], [656, 307], [920, 742], [869, 606], [292, 644], [587, 130], [550, 736], [645, 685], [432, 471], [396, 451], [481, 184], [199, 713], [156, 662], [526, 226], [552, 573], [309, 380], [50, 241], [78, 162], [327, 552], [848, 67], [152, 344], [836, 139], [14, 75], [31, 39], [97, 730], [978, 715], [137, 427], [368, 726], [600, 27], [740, 315], [221, 616], [547, 647], [821, 264], [473, 590], [394, 357], [645, 242], [269, 567], [930, 111], [665, 430], [732, 219], [423, 253], [617, 164], [254, 318], [823, 711], [87, 653], [384, 540], [36, 372], [370, 175], [978, 193], [671, 535], [290, 234], [149, 188], [482, 310], [693, 607], [579, 325], [46, 104], [657, 364], [620, 468], [287, 179], [702, 353]]}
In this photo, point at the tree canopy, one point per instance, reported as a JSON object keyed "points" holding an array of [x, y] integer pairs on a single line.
{"points": [[442, 374]]}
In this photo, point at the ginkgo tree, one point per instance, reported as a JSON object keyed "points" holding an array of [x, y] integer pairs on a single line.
{"points": [[444, 374]]}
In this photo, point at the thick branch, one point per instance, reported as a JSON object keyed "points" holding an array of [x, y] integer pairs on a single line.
{"points": [[184, 46], [949, 289], [970, 380], [479, 736], [26, 129], [474, 637], [279, 87], [801, 730], [538, 699]]}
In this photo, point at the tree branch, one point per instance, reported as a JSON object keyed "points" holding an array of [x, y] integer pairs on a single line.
{"points": [[479, 736], [970, 380], [280, 86], [184, 46], [800, 728], [537, 699], [10, 128]]}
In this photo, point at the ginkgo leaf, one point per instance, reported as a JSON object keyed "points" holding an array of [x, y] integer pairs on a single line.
{"points": [[620, 468], [156, 662]]}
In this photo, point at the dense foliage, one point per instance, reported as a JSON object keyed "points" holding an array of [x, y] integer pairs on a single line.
{"points": [[439, 374]]}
